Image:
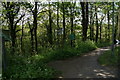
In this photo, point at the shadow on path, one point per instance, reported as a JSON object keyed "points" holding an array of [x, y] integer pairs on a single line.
{"points": [[84, 67]]}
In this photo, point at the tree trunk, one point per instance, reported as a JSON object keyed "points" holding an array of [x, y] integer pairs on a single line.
{"points": [[58, 22], [84, 19], [91, 19], [101, 28], [22, 36], [119, 23], [108, 17], [97, 26], [92, 31], [32, 38], [13, 34], [35, 26], [50, 27], [58, 14], [115, 34], [71, 19], [64, 30]]}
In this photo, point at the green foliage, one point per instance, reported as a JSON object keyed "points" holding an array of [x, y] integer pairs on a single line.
{"points": [[103, 44], [22, 67], [62, 53], [67, 52], [85, 46], [108, 59]]}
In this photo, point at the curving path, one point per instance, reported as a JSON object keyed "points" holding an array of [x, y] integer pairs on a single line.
{"points": [[84, 67]]}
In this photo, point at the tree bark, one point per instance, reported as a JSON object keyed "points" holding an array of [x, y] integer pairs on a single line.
{"points": [[58, 23], [50, 27], [71, 19], [119, 23], [64, 30], [32, 37], [108, 17], [85, 19], [22, 36], [97, 26], [101, 28], [35, 26]]}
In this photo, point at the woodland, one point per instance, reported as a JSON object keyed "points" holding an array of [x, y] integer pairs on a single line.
{"points": [[36, 33]]}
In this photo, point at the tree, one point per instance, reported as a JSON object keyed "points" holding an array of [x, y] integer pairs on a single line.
{"points": [[35, 26], [50, 39], [97, 26], [85, 21], [22, 36], [64, 30], [32, 36], [11, 11], [108, 17], [91, 22], [119, 22], [72, 6]]}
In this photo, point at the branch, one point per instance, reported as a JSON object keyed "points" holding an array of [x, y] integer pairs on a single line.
{"points": [[18, 30], [18, 20], [41, 9], [42, 12]]}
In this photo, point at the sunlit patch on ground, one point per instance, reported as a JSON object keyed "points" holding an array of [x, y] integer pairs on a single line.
{"points": [[103, 73], [97, 51], [60, 77]]}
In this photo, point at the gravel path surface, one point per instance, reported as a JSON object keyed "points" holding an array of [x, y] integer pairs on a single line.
{"points": [[86, 66]]}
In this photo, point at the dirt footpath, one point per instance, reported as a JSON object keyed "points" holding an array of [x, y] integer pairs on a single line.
{"points": [[86, 66]]}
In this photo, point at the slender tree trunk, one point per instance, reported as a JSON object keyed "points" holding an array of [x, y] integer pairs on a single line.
{"points": [[108, 17], [64, 30], [32, 38], [71, 19], [97, 26], [58, 14], [58, 23], [119, 22], [22, 36], [50, 27], [92, 31], [91, 19], [101, 28], [115, 34], [35, 27]]}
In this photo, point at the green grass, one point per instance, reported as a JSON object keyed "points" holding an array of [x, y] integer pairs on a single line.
{"points": [[107, 59]]}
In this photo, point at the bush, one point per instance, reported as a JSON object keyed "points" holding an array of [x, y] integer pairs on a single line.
{"points": [[67, 52], [103, 44], [21, 67], [86, 46]]}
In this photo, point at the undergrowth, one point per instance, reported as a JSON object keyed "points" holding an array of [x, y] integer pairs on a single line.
{"points": [[20, 66], [109, 59]]}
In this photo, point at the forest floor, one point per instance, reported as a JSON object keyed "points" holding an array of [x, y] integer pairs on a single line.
{"points": [[86, 66]]}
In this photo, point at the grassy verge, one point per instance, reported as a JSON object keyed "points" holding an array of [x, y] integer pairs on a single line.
{"points": [[68, 52], [107, 59]]}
